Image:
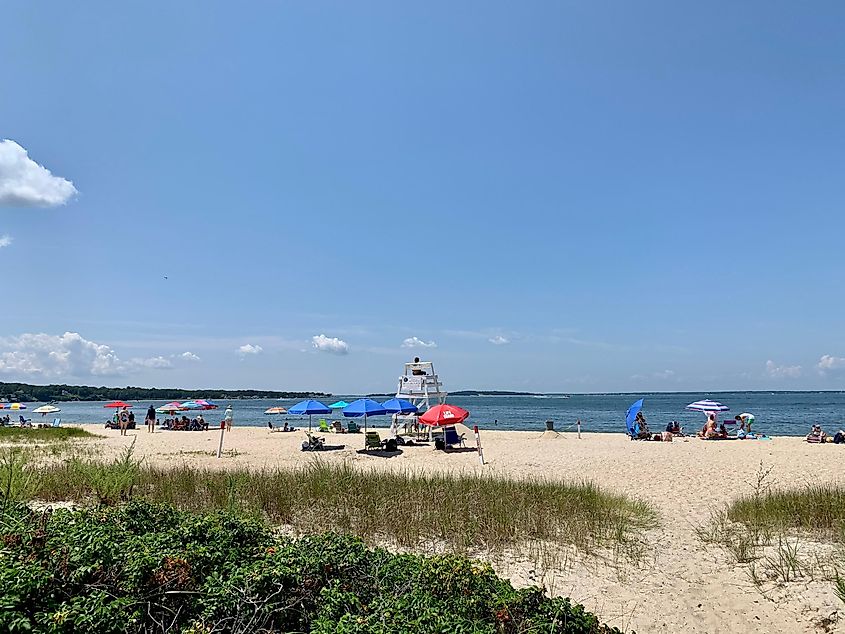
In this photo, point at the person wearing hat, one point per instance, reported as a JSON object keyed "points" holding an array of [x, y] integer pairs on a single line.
{"points": [[816, 435]]}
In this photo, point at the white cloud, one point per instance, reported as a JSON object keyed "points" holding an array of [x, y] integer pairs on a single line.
{"points": [[5, 241], [189, 356], [782, 371], [248, 348], [499, 340], [25, 183], [67, 355], [829, 363], [416, 342], [330, 344], [154, 362]]}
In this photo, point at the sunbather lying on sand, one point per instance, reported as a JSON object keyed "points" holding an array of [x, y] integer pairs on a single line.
{"points": [[816, 435]]}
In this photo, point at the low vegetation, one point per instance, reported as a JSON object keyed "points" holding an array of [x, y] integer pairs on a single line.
{"points": [[192, 550], [461, 512], [783, 536], [43, 435], [140, 567], [814, 510]]}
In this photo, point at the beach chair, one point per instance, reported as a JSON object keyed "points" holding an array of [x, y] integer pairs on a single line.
{"points": [[324, 427], [372, 440], [57, 422], [338, 427], [352, 427], [451, 437]]}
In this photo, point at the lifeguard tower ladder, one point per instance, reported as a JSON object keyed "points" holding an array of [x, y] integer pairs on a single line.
{"points": [[420, 385]]}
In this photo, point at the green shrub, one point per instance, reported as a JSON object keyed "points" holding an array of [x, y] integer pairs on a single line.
{"points": [[141, 567]]}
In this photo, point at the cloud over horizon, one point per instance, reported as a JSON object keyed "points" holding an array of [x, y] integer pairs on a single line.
{"points": [[25, 183], [249, 348], [5, 240], [829, 364], [67, 355], [189, 356], [332, 345], [782, 371], [416, 342], [499, 340]]}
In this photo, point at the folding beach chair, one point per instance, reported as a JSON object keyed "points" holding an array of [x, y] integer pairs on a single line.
{"points": [[352, 427], [57, 422], [451, 437], [324, 427], [372, 441]]}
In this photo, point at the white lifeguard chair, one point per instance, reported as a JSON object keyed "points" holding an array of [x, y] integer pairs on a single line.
{"points": [[421, 386]]}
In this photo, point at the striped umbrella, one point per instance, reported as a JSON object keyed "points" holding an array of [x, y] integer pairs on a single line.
{"points": [[14, 406], [169, 408], [276, 410], [707, 406]]}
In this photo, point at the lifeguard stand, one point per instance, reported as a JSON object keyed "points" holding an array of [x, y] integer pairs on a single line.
{"points": [[421, 385]]}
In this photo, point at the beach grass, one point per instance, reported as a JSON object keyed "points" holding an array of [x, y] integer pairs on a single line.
{"points": [[42, 435], [464, 513], [815, 510]]}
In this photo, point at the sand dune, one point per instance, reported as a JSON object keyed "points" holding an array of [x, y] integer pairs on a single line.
{"points": [[681, 587]]}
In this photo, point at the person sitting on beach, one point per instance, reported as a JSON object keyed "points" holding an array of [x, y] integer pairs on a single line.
{"points": [[286, 427], [641, 427], [839, 437], [709, 431], [674, 428], [816, 435]]}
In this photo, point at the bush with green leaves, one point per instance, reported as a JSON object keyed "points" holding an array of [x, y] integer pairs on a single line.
{"points": [[142, 567]]}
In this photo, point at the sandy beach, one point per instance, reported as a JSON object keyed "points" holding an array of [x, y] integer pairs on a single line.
{"points": [[680, 586]]}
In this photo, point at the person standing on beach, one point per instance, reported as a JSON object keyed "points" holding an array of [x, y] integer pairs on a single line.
{"points": [[151, 419], [745, 421], [124, 421], [227, 417]]}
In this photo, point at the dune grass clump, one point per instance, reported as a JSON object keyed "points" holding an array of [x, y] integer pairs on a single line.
{"points": [[815, 510], [465, 512], [42, 435]]}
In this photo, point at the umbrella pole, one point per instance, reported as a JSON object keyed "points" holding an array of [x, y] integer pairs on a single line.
{"points": [[309, 423]]}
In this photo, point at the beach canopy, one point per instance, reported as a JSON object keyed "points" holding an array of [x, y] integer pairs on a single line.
{"points": [[309, 408], [399, 406], [205, 404], [14, 406], [276, 410], [444, 415], [117, 404], [47, 409], [707, 406], [631, 415], [191, 405], [339, 405]]}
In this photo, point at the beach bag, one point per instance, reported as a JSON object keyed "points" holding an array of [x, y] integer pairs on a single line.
{"points": [[839, 437]]}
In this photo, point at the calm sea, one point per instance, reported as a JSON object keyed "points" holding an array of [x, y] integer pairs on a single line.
{"points": [[777, 413]]}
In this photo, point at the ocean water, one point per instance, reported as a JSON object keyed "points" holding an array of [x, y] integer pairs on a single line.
{"points": [[777, 413]]}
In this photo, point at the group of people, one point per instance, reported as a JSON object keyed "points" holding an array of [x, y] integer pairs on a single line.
{"points": [[124, 419], [642, 432], [712, 429], [817, 435]]}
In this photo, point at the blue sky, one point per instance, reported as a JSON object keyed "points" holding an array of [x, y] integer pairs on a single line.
{"points": [[561, 196]]}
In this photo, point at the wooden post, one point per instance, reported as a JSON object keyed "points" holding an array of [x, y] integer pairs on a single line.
{"points": [[478, 444], [222, 433], [579, 428]]}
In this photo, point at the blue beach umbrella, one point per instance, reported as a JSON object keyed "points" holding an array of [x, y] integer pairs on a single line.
{"points": [[309, 408], [399, 406], [631, 415], [364, 407], [339, 405]]}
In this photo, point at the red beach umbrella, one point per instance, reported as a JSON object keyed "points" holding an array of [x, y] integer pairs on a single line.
{"points": [[117, 404], [444, 416]]}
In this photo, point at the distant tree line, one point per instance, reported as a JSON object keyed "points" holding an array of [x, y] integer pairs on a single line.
{"points": [[45, 393]]}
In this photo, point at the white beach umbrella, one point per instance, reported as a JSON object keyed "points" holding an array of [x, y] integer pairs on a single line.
{"points": [[707, 406]]}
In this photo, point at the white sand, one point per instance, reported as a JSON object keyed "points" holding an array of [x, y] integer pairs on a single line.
{"points": [[683, 587]]}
